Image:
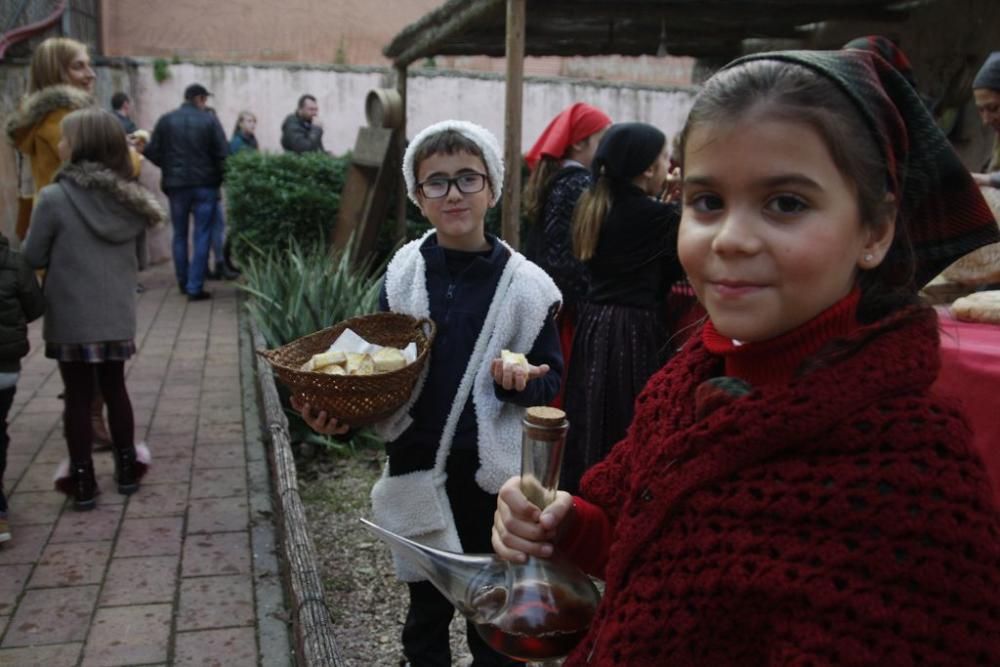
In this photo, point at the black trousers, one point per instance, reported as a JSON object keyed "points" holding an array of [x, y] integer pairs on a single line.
{"points": [[6, 400], [425, 634], [78, 378]]}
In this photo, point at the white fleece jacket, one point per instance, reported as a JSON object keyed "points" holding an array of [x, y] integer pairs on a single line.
{"points": [[415, 504]]}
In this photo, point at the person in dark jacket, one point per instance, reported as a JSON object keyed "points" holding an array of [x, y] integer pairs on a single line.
{"points": [[190, 147], [302, 131], [986, 92], [244, 134], [628, 240], [21, 301], [121, 107], [89, 233], [560, 173]]}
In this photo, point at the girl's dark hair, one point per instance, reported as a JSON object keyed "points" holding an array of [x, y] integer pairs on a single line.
{"points": [[786, 91], [537, 187], [448, 142], [95, 135]]}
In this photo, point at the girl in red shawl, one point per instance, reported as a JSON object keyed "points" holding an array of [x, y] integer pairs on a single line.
{"points": [[791, 491], [560, 173]]}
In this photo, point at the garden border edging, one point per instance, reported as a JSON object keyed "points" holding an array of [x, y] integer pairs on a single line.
{"points": [[312, 622]]}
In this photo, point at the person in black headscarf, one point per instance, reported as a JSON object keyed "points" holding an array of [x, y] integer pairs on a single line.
{"points": [[793, 489], [986, 91], [628, 240]]}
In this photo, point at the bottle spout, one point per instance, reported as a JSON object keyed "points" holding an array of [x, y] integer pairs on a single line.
{"points": [[475, 584]]}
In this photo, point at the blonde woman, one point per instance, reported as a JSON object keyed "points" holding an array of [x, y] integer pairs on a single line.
{"points": [[244, 136], [61, 81]]}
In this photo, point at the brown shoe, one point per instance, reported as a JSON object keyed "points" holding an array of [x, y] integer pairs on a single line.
{"points": [[102, 439]]}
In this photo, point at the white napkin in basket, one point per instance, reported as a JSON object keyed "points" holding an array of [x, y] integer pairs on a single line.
{"points": [[349, 341]]}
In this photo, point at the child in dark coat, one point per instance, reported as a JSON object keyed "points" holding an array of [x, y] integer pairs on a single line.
{"points": [[21, 301]]}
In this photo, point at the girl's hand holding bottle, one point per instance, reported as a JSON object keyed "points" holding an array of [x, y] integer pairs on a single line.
{"points": [[520, 529]]}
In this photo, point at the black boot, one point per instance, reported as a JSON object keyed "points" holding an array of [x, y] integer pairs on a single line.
{"points": [[130, 466], [80, 485]]}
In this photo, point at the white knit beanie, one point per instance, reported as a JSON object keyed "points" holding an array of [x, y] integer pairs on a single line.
{"points": [[477, 134]]}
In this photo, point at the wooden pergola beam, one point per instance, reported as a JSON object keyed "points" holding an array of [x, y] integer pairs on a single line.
{"points": [[421, 39], [711, 29], [511, 222], [624, 27]]}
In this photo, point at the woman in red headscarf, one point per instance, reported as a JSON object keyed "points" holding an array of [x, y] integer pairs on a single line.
{"points": [[560, 173]]}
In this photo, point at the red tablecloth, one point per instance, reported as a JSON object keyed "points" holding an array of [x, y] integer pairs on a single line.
{"points": [[970, 372]]}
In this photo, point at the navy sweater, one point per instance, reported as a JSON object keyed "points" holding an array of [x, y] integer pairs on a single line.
{"points": [[458, 305]]}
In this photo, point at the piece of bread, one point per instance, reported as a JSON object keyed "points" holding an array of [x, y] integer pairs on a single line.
{"points": [[978, 307], [359, 364], [514, 359], [388, 359], [981, 266], [333, 369], [322, 360]]}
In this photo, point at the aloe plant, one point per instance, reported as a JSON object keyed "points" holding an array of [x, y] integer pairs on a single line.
{"points": [[296, 290]]}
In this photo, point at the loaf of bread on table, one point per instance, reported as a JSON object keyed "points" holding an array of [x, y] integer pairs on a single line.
{"points": [[978, 307]]}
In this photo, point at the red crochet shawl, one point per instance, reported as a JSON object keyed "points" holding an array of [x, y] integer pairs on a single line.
{"points": [[840, 518]]}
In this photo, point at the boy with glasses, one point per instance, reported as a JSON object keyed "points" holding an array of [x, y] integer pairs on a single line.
{"points": [[459, 437]]}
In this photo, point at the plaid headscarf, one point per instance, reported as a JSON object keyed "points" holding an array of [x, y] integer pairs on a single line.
{"points": [[884, 47], [944, 212]]}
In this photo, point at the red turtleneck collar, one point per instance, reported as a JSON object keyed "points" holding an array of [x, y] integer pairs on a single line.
{"points": [[778, 359]]}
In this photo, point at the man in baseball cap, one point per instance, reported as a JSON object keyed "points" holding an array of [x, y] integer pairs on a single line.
{"points": [[190, 147], [194, 91]]}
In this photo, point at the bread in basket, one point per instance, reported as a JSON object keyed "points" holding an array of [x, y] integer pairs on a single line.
{"points": [[357, 400]]}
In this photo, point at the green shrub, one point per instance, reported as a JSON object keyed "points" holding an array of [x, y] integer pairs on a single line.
{"points": [[273, 198], [161, 70], [296, 289]]}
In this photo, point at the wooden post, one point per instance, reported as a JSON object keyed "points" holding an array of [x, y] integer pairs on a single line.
{"points": [[512, 123], [401, 148]]}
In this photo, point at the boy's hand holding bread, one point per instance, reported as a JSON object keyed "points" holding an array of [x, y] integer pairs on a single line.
{"points": [[512, 370]]}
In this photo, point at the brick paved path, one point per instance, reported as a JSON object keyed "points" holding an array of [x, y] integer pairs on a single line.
{"points": [[183, 572]]}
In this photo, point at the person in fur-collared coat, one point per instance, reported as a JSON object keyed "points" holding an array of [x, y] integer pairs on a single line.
{"points": [[88, 231], [61, 81]]}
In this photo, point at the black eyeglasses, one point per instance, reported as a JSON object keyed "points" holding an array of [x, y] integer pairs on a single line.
{"points": [[439, 186]]}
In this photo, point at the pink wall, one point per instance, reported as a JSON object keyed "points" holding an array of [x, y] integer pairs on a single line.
{"points": [[271, 91], [345, 32], [291, 31]]}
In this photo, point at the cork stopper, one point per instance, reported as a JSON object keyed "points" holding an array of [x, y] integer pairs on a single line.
{"points": [[545, 416]]}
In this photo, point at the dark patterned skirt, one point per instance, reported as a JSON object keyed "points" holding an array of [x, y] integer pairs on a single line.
{"points": [[91, 353], [615, 351]]}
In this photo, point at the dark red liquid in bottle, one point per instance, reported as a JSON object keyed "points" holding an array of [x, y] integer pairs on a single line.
{"points": [[543, 621]]}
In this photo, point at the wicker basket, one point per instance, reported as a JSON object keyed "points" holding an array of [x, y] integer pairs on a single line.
{"points": [[357, 400]]}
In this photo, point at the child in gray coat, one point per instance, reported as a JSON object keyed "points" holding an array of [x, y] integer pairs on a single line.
{"points": [[88, 232]]}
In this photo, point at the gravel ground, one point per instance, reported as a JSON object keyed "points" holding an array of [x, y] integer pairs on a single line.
{"points": [[367, 602]]}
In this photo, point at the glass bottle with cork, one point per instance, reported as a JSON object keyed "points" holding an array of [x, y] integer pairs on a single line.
{"points": [[536, 610]]}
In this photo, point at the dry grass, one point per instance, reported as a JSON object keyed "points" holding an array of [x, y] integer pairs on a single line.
{"points": [[367, 602]]}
